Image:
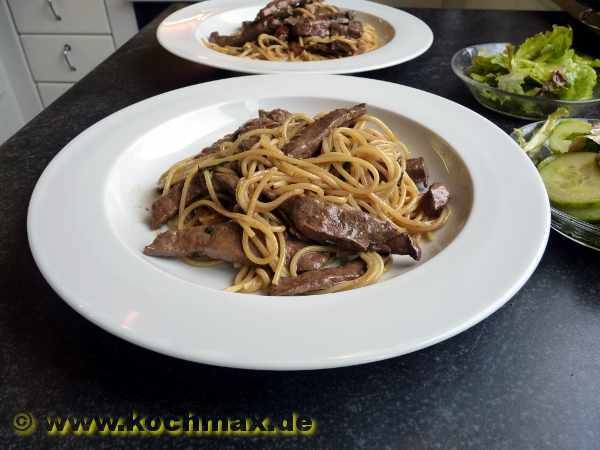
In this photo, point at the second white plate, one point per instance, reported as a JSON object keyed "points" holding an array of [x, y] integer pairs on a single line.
{"points": [[403, 35]]}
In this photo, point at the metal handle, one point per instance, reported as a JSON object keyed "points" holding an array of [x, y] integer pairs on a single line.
{"points": [[57, 16], [66, 51]]}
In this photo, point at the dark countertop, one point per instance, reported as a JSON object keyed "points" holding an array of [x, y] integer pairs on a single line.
{"points": [[527, 377]]}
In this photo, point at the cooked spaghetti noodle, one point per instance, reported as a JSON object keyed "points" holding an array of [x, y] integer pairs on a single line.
{"points": [[272, 47], [363, 167]]}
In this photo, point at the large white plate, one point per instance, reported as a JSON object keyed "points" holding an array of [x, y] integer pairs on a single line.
{"points": [[87, 227], [404, 37]]}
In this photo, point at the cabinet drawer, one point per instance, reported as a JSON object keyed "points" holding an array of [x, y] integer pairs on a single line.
{"points": [[51, 91], [76, 16], [48, 62]]}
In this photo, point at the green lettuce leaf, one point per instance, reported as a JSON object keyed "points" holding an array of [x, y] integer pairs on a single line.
{"points": [[581, 79], [512, 82], [544, 64], [490, 78], [484, 64], [546, 47], [584, 59], [541, 71]]}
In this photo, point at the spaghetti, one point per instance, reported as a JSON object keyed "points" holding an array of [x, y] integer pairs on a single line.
{"points": [[362, 167], [336, 34]]}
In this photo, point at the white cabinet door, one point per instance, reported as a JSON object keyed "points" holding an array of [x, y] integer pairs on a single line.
{"points": [[11, 118], [60, 16], [51, 91], [48, 61], [17, 81]]}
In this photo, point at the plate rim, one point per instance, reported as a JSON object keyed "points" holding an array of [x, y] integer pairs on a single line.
{"points": [[334, 66], [278, 365]]}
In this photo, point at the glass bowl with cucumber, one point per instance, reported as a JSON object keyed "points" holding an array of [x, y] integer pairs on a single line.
{"points": [[566, 152]]}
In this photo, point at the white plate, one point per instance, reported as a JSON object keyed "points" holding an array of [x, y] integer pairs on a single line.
{"points": [[404, 37], [87, 227]]}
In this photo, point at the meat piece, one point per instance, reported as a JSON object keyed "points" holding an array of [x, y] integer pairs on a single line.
{"points": [[216, 146], [312, 27], [352, 29], [266, 119], [308, 261], [337, 49], [344, 254], [415, 168], [350, 229], [323, 25], [222, 242], [282, 32], [316, 280], [343, 25], [166, 206], [296, 48], [434, 200], [278, 115], [275, 19], [267, 21], [225, 183], [248, 143], [308, 140], [233, 40], [253, 30], [292, 21], [279, 8], [355, 29], [250, 32]]}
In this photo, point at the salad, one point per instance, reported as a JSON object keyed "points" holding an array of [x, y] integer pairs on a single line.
{"points": [[567, 154], [543, 65]]}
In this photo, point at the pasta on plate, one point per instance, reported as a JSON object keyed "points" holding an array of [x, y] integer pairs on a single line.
{"points": [[298, 30], [299, 204]]}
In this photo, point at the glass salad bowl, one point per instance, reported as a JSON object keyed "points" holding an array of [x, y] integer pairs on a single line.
{"points": [[584, 233], [516, 105]]}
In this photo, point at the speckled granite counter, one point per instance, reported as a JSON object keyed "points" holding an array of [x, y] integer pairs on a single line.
{"points": [[527, 377]]}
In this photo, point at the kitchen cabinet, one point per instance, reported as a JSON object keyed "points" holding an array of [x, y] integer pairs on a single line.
{"points": [[47, 45]]}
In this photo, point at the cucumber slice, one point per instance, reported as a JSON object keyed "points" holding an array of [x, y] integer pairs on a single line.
{"points": [[573, 180], [565, 132], [590, 214]]}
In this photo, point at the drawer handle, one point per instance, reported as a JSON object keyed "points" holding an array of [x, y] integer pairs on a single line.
{"points": [[66, 51], [56, 15]]}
